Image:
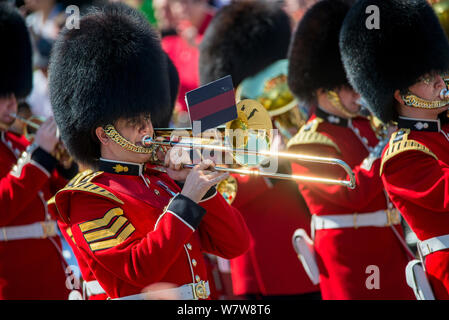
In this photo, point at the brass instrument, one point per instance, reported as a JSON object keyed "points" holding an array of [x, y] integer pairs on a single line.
{"points": [[228, 188], [441, 8], [270, 88], [32, 125], [252, 128]]}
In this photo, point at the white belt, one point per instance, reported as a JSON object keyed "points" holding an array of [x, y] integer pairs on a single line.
{"points": [[417, 280], [190, 291], [37, 230], [381, 218], [433, 244], [92, 288]]}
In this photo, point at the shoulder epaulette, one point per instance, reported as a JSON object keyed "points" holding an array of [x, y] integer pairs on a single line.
{"points": [[308, 134], [83, 182], [399, 143]]}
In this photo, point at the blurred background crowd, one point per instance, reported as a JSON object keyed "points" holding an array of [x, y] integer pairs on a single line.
{"points": [[181, 24]]}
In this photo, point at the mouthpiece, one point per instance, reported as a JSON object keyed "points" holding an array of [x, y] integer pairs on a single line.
{"points": [[444, 94], [147, 141]]}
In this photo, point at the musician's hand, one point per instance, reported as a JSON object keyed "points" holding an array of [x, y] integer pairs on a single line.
{"points": [[174, 160], [200, 179], [46, 136]]}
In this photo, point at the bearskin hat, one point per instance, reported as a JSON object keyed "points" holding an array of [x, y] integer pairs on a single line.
{"points": [[111, 67], [173, 78], [408, 43], [314, 55], [243, 38], [15, 55]]}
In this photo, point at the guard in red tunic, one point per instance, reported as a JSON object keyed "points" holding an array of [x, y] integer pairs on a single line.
{"points": [[90, 288], [351, 228], [273, 209], [133, 225], [31, 264], [404, 85]]}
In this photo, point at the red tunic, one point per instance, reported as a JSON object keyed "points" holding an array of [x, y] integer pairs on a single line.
{"points": [[344, 254], [132, 232], [272, 212], [29, 268], [418, 184], [85, 271]]}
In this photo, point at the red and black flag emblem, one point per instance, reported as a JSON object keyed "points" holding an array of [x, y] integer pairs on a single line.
{"points": [[213, 104]]}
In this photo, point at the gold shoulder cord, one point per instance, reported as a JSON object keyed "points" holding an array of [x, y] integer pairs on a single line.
{"points": [[399, 143], [308, 135], [83, 182]]}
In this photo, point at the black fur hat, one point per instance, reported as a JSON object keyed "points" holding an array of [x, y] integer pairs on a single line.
{"points": [[173, 77], [111, 67], [314, 55], [243, 38], [15, 54], [408, 44]]}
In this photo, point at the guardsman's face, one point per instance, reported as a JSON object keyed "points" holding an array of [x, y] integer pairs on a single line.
{"points": [[8, 105], [428, 87], [132, 130], [349, 98]]}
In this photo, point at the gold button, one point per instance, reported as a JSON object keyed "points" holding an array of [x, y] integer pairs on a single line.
{"points": [[156, 192], [197, 278], [194, 262], [189, 246]]}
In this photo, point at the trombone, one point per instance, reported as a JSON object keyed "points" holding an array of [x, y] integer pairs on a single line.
{"points": [[262, 119]]}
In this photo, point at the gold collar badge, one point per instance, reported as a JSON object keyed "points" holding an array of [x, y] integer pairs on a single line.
{"points": [[119, 168]]}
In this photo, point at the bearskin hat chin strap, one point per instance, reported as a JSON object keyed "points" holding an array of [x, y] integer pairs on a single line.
{"points": [[413, 101], [334, 99], [112, 133]]}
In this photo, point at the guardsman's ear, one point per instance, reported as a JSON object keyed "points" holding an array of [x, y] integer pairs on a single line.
{"points": [[398, 96], [102, 136]]}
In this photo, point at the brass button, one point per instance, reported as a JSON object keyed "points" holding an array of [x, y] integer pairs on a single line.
{"points": [[194, 262], [156, 192], [189, 246], [197, 278]]}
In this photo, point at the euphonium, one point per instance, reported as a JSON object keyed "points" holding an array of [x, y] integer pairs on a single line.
{"points": [[441, 8], [269, 87]]}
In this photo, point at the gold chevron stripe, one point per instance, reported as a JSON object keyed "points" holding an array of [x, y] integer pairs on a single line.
{"points": [[102, 222], [113, 242], [106, 233]]}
